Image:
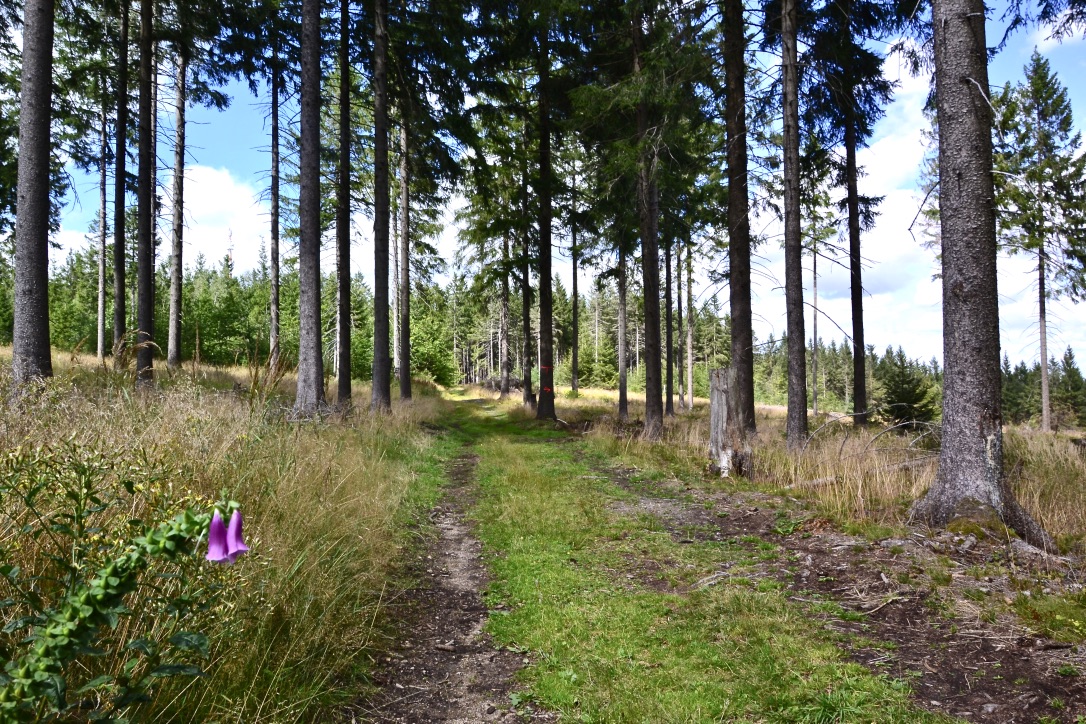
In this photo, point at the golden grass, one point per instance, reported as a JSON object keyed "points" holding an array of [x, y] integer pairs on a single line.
{"points": [[323, 505], [861, 478]]}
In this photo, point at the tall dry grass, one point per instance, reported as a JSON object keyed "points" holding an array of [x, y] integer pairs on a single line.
{"points": [[325, 506], [864, 479]]}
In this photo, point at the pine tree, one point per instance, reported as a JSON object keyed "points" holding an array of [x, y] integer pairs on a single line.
{"points": [[1041, 192]]}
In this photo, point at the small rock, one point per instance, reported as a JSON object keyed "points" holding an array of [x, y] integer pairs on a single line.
{"points": [[490, 709], [990, 708], [893, 543]]}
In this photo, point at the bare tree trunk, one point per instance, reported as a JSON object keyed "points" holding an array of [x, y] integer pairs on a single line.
{"points": [[735, 104], [145, 251], [575, 361], [690, 333], [669, 343], [504, 343], [120, 179], [173, 349], [526, 292], [648, 212], [405, 264], [102, 230], [382, 364], [679, 324], [545, 409], [309, 400], [814, 330], [855, 262], [343, 216], [793, 243], [1042, 323], [273, 301], [623, 402], [31, 355], [970, 479]]}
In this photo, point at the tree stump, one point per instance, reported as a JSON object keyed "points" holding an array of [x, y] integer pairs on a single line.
{"points": [[728, 449]]}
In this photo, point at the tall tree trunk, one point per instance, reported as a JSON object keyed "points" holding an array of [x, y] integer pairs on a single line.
{"points": [[343, 216], [793, 243], [273, 300], [382, 363], [1042, 323], [525, 285], [690, 319], [145, 251], [405, 264], [623, 402], [679, 324], [648, 215], [173, 350], [31, 355], [102, 228], [735, 112], [669, 340], [120, 180], [855, 263], [575, 349], [971, 457], [814, 330], [504, 362], [309, 400], [545, 409]]}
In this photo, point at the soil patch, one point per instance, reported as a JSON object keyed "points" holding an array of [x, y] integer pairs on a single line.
{"points": [[912, 609], [445, 668]]}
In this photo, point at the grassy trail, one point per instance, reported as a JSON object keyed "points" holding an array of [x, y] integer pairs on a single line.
{"points": [[603, 599]]}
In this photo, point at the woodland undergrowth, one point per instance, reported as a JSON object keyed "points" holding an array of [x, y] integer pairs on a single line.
{"points": [[291, 626]]}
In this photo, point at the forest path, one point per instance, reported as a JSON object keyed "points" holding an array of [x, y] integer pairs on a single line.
{"points": [[623, 593], [445, 668]]}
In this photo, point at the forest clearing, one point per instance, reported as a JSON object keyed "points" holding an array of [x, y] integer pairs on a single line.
{"points": [[458, 560]]}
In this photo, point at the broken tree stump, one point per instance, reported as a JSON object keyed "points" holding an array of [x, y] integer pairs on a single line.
{"points": [[728, 449]]}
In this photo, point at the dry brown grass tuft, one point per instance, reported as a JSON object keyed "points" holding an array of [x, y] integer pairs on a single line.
{"points": [[861, 478]]}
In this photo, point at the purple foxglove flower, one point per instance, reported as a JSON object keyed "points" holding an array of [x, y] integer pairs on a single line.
{"points": [[235, 545], [216, 540]]}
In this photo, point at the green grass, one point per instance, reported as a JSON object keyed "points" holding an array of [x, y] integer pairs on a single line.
{"points": [[614, 639]]}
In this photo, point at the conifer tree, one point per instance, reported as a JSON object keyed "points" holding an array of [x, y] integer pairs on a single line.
{"points": [[1041, 193]]}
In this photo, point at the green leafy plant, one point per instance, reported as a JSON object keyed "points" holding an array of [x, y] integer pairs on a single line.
{"points": [[68, 519]]}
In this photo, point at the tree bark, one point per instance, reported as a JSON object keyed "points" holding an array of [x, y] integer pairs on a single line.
{"points": [[145, 250], [623, 402], [173, 350], [690, 331], [309, 400], [343, 216], [679, 356], [120, 178], [526, 289], [1042, 323], [855, 262], [669, 341], [102, 228], [735, 105], [382, 363], [545, 409], [504, 331], [31, 355], [793, 243], [814, 330], [970, 478], [405, 264], [575, 360], [273, 253], [382, 394], [648, 216]]}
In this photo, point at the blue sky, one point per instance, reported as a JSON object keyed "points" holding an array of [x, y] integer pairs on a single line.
{"points": [[227, 172]]}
